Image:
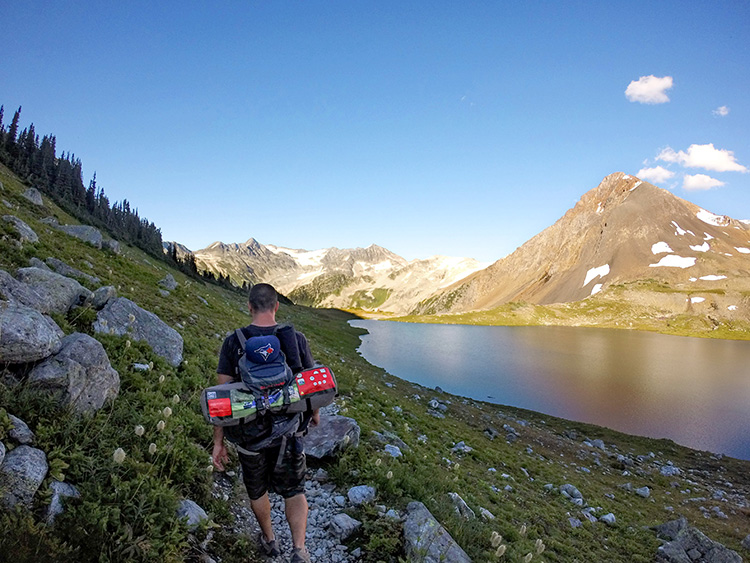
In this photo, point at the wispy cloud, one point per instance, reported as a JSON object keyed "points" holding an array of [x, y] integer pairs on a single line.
{"points": [[703, 156], [657, 174], [721, 111], [649, 89], [700, 182]]}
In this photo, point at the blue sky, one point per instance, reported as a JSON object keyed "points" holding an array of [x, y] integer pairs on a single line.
{"points": [[455, 128]]}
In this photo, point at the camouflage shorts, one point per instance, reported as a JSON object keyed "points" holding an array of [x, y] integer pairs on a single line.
{"points": [[261, 473]]}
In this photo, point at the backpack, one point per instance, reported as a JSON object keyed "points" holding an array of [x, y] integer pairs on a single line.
{"points": [[270, 403]]}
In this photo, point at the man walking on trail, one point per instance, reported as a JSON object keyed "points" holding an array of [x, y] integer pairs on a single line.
{"points": [[284, 472]]}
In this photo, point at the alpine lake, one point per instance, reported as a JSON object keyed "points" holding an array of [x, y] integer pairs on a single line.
{"points": [[695, 391]]}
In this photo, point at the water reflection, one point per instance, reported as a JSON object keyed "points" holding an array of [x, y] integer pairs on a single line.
{"points": [[692, 390]]}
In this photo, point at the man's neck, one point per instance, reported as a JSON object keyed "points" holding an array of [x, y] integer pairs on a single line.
{"points": [[264, 319]]}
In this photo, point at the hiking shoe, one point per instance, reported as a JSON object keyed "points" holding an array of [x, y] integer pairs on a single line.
{"points": [[268, 547], [300, 555]]}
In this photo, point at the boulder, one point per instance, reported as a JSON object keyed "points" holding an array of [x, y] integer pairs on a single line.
{"points": [[122, 317], [570, 491], [80, 374], [685, 544], [2, 452], [60, 294], [462, 509], [342, 525], [111, 244], [21, 473], [192, 513], [60, 491], [361, 494], [69, 271], [608, 519], [27, 335], [20, 432], [333, 435], [33, 195], [426, 540], [85, 233], [51, 221], [15, 291], [387, 437], [168, 282], [644, 492], [102, 296], [392, 450], [25, 233]]}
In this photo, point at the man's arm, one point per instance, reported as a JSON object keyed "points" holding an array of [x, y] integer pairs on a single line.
{"points": [[219, 455]]}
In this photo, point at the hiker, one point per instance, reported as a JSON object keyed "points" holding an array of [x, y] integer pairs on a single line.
{"points": [[282, 471]]}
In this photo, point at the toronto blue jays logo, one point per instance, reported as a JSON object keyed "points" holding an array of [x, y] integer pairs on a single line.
{"points": [[265, 351]]}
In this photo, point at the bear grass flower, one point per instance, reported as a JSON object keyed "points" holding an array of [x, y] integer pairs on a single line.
{"points": [[175, 399], [119, 455], [527, 557], [523, 529], [139, 430], [378, 462], [501, 550], [152, 448], [167, 412], [161, 378], [496, 539], [389, 475], [539, 546], [160, 425]]}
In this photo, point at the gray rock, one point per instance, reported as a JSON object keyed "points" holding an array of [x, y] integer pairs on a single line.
{"points": [[15, 291], [392, 450], [608, 519], [644, 492], [102, 296], [168, 282], [746, 542], [112, 245], [333, 435], [20, 432], [33, 195], [361, 494], [60, 491], [60, 293], [390, 438], [462, 509], [669, 470], [123, 317], [141, 367], [575, 522], [426, 540], [25, 233], [684, 540], [65, 270], [486, 514], [164, 293], [462, 448], [27, 335], [86, 233], [34, 262], [598, 444], [392, 515], [342, 525], [79, 374], [21, 473], [2, 452], [569, 491], [51, 221], [192, 513]]}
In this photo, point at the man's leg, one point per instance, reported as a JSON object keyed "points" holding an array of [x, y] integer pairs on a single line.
{"points": [[262, 510], [296, 514]]}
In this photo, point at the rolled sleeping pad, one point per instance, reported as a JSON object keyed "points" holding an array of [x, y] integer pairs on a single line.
{"points": [[230, 404]]}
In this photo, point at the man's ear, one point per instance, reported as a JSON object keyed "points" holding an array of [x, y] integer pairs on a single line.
{"points": [[276, 309], [250, 308]]}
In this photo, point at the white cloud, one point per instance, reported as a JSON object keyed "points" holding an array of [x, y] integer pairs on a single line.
{"points": [[703, 156], [649, 89], [700, 182], [721, 111], [658, 174]]}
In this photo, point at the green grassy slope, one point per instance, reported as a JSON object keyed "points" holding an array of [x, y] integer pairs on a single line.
{"points": [[126, 510]]}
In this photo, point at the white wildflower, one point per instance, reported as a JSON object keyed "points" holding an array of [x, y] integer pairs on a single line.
{"points": [[527, 558], [389, 475], [378, 462], [160, 425], [210, 468], [175, 399], [167, 412], [523, 529], [539, 546], [139, 430], [152, 448], [131, 317], [161, 378], [501, 550], [119, 455], [127, 344], [496, 539]]}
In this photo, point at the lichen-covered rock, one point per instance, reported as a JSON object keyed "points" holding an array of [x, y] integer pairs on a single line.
{"points": [[361, 494], [2, 452], [27, 335], [86, 233], [342, 525], [60, 491], [123, 317], [21, 473], [79, 374], [686, 544], [168, 282], [20, 432], [25, 232], [15, 291], [102, 296], [462, 509], [192, 513], [332, 436], [33, 195], [69, 271], [111, 245], [60, 293], [426, 540]]}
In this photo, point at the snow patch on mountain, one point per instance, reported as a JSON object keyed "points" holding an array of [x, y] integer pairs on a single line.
{"points": [[593, 273], [697, 299], [674, 261], [700, 248], [712, 277], [742, 249], [660, 247], [712, 219], [596, 289]]}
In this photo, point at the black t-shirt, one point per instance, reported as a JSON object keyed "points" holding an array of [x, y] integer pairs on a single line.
{"points": [[231, 351]]}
